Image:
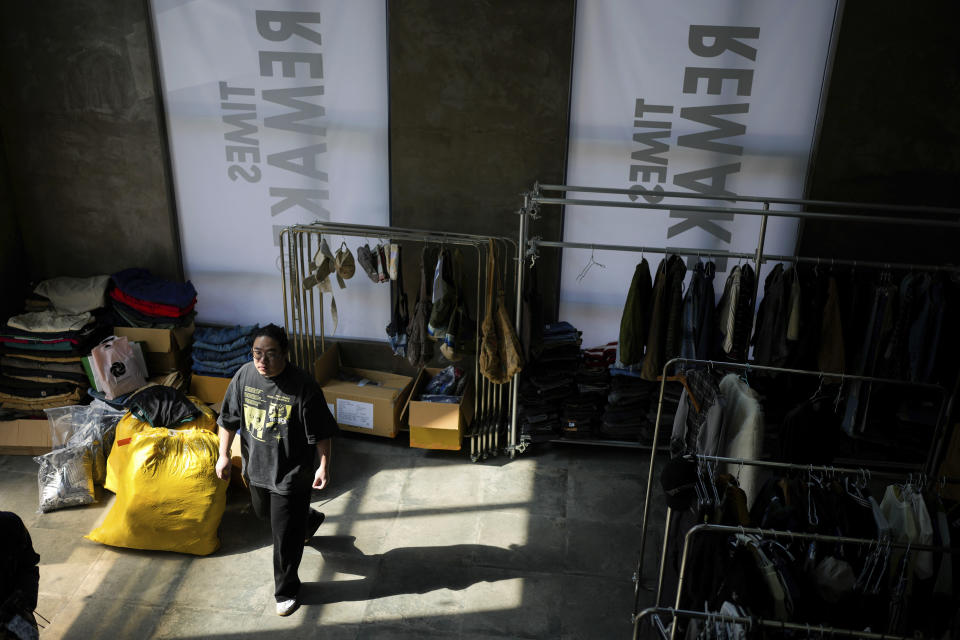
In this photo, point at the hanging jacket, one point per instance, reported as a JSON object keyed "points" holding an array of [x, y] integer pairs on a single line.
{"points": [[773, 315], [400, 317], [743, 321], [830, 354], [699, 314], [662, 340], [635, 322], [727, 311]]}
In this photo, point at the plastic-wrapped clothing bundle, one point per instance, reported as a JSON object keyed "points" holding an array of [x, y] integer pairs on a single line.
{"points": [[65, 478], [168, 495]]}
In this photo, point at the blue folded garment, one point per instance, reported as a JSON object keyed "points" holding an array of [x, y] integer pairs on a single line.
{"points": [[143, 285], [220, 356], [243, 342], [204, 371], [222, 335], [222, 365]]}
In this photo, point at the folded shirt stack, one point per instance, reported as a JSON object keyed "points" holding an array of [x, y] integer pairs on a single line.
{"points": [[220, 351], [140, 299], [41, 356], [548, 382]]}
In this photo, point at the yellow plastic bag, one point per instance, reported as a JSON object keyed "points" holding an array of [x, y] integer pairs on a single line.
{"points": [[129, 425], [168, 495]]}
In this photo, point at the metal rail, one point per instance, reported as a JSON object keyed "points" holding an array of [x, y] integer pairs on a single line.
{"points": [[775, 533], [812, 631], [745, 367], [300, 308]]}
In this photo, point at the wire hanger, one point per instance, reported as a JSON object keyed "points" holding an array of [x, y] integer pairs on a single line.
{"points": [[590, 265]]}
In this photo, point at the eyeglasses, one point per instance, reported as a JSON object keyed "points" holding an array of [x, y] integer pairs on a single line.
{"points": [[266, 355]]}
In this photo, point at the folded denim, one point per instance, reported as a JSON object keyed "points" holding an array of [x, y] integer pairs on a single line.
{"points": [[559, 327], [216, 373], [206, 355], [243, 342], [223, 365], [141, 284], [223, 335]]}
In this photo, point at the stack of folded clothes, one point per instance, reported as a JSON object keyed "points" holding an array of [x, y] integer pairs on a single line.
{"points": [[628, 405], [41, 355], [140, 299], [581, 412], [548, 382], [220, 351]]}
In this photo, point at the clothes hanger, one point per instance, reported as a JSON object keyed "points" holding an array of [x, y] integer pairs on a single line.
{"points": [[590, 264]]}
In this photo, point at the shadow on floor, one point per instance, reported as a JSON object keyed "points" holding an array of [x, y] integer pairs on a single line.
{"points": [[405, 570]]}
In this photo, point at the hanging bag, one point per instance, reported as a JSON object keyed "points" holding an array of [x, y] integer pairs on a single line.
{"points": [[419, 349], [397, 329], [500, 357], [459, 342], [444, 298], [116, 367]]}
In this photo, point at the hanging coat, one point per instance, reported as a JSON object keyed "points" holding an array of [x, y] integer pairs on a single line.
{"points": [[635, 322]]}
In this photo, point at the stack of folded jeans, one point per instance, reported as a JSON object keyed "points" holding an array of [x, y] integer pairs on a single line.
{"points": [[548, 382], [140, 299], [220, 351], [628, 406], [582, 411]]}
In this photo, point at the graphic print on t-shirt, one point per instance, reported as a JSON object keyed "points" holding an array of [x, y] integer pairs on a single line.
{"points": [[265, 415]]}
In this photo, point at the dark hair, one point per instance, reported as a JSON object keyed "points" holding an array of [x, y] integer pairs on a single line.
{"points": [[273, 331]]}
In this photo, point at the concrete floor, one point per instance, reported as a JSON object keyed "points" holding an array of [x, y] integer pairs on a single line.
{"points": [[416, 544]]}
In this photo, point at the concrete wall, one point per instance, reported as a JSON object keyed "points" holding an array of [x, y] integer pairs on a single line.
{"points": [[479, 111], [82, 139], [479, 107], [891, 131]]}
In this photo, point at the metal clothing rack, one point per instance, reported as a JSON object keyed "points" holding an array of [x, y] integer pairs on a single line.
{"points": [[858, 472], [297, 246], [812, 631], [775, 533], [899, 215], [938, 430]]}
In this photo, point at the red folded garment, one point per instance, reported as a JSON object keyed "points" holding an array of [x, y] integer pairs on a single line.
{"points": [[151, 308]]}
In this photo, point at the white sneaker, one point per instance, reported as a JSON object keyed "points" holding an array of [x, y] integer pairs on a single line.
{"points": [[286, 607]]}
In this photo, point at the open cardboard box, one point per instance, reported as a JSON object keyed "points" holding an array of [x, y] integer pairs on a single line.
{"points": [[25, 437], [164, 350], [438, 425], [210, 389], [364, 408]]}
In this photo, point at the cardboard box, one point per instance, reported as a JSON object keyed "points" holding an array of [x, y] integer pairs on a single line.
{"points": [[164, 350], [25, 437], [210, 389], [162, 363], [367, 408], [438, 425], [159, 340]]}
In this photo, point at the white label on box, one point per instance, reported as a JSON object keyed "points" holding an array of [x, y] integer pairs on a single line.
{"points": [[333, 410], [355, 414]]}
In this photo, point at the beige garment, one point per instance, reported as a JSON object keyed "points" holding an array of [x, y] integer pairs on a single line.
{"points": [[50, 321]]}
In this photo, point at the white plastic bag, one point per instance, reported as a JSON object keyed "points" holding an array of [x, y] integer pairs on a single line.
{"points": [[117, 367]]}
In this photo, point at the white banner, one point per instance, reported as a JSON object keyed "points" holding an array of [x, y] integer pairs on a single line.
{"points": [[702, 96], [277, 115]]}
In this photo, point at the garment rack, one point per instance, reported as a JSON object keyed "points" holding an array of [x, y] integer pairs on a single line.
{"points": [[776, 533], [811, 630], [751, 367], [300, 308], [533, 199]]}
